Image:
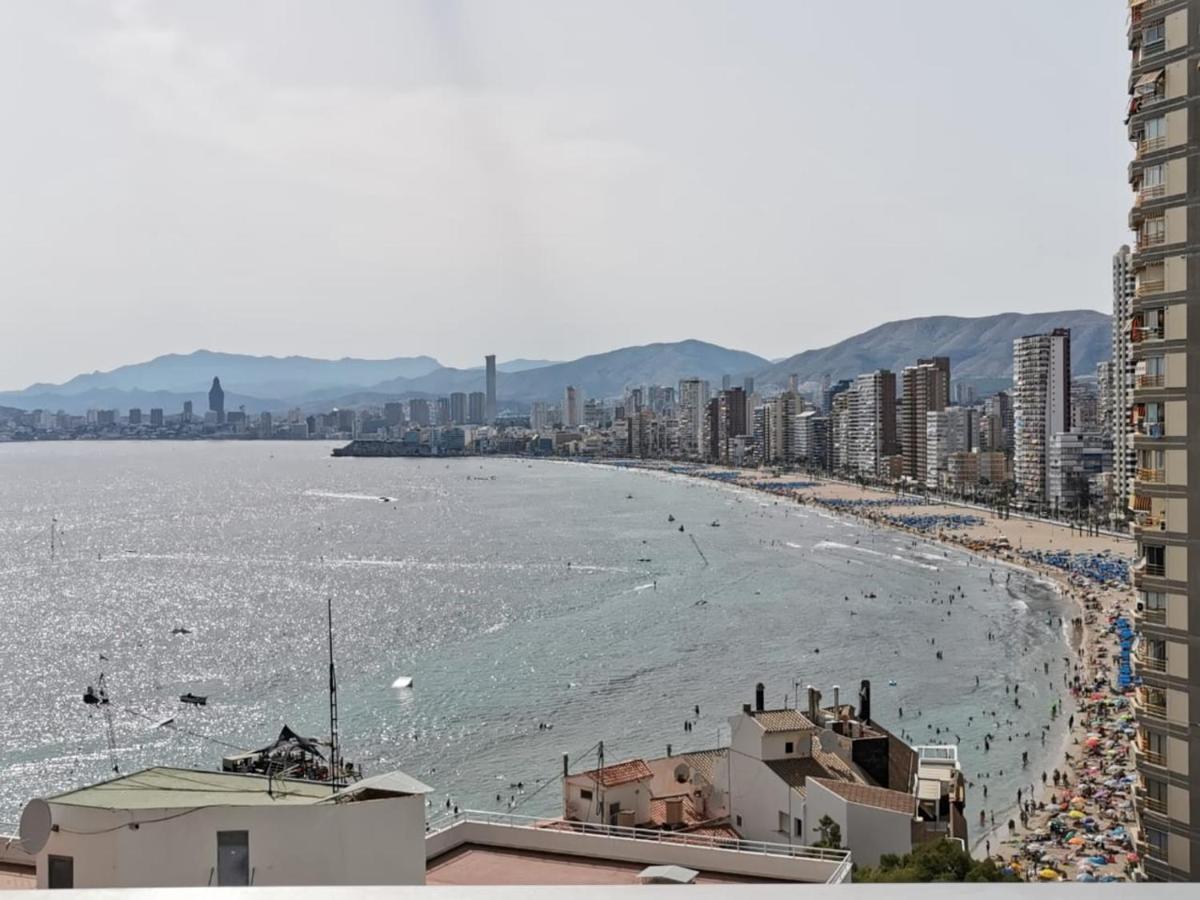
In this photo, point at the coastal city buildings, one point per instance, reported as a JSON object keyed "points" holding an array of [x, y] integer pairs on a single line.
{"points": [[925, 389], [572, 407], [1041, 401], [489, 404], [1165, 492], [216, 401]]}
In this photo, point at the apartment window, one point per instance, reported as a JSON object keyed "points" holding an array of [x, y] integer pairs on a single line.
{"points": [[585, 794], [1154, 601], [1154, 176], [1155, 744], [233, 859], [1154, 231], [1156, 560], [789, 747], [1154, 128], [61, 872], [1156, 794], [1152, 459], [1153, 37], [1156, 841], [799, 829], [739, 821], [783, 822]]}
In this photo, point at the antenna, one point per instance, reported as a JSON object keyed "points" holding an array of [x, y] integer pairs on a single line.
{"points": [[335, 761]]}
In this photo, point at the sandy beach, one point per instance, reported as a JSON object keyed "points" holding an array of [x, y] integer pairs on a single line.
{"points": [[1071, 822]]}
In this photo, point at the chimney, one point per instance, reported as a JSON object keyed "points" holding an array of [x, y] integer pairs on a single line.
{"points": [[566, 766], [864, 700], [674, 810], [836, 695], [812, 704], [746, 707], [759, 692], [668, 749]]}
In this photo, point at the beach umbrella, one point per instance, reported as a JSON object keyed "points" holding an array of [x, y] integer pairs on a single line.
{"points": [[1048, 874], [1075, 814]]}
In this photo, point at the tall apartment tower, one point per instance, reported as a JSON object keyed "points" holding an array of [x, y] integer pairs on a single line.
{"points": [[1120, 379], [926, 389], [1165, 423], [1041, 405], [572, 407], [693, 398], [216, 400], [489, 404], [872, 425]]}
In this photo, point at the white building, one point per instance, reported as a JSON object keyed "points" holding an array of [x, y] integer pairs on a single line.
{"points": [[166, 827], [1041, 405], [693, 397], [948, 431]]}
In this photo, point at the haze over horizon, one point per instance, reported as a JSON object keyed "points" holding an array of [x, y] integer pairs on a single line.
{"points": [[542, 180]]}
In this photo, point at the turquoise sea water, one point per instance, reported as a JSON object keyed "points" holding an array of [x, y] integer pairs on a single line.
{"points": [[518, 596]]}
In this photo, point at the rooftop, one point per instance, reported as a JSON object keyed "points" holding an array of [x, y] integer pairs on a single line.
{"points": [[773, 720], [619, 773], [477, 864], [870, 795], [167, 788], [796, 771]]}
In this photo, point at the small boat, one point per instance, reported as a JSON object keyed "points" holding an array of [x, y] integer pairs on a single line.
{"points": [[404, 681], [715, 524], [179, 629], [194, 699], [670, 518], [891, 682], [629, 496]]}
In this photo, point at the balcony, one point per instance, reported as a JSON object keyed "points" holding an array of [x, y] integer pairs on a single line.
{"points": [[1148, 239], [1148, 756], [1150, 521], [1147, 146], [1150, 616], [1146, 708], [1150, 663], [1151, 476], [1147, 287], [1141, 333], [1153, 430], [1150, 381], [1150, 804]]}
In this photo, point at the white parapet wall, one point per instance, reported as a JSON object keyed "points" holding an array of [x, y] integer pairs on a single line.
{"points": [[642, 846]]}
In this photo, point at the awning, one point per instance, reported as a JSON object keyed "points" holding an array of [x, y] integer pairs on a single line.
{"points": [[389, 784], [667, 875], [1149, 79]]}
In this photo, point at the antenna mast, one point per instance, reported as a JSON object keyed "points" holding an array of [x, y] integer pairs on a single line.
{"points": [[335, 758]]}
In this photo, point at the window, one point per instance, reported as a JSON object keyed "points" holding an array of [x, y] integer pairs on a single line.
{"points": [[1152, 35], [1152, 459], [799, 829], [1153, 176], [1154, 231], [1156, 792], [61, 874], [585, 794], [739, 821], [1156, 560], [789, 747], [233, 858], [1155, 743], [783, 822], [1154, 601], [1156, 841], [1154, 128]]}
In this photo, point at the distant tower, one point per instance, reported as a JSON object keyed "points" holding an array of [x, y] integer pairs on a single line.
{"points": [[216, 400], [489, 405]]}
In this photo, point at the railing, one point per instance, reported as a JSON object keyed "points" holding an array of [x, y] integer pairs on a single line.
{"points": [[1150, 381], [1151, 476], [1151, 522], [1148, 429], [1153, 616], [1151, 239], [1151, 663], [1156, 570], [1146, 288], [1143, 333], [1153, 805], [1152, 710], [708, 841], [1152, 145], [1152, 758]]}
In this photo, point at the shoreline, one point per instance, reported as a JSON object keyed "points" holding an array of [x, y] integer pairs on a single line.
{"points": [[1089, 602]]}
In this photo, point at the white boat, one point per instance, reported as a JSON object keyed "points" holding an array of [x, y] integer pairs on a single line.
{"points": [[404, 681]]}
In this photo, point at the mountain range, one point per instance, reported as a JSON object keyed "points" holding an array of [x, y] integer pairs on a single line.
{"points": [[980, 351]]}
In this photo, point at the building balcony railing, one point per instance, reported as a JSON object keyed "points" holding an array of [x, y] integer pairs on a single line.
{"points": [[1151, 663], [1146, 287], [1148, 710], [1150, 804], [1153, 430], [1148, 756], [1151, 476], [1141, 333], [1150, 616], [1151, 145], [1148, 239], [1151, 521], [1150, 381]]}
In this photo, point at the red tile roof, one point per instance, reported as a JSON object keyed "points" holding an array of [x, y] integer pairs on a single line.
{"points": [[869, 795], [620, 773]]}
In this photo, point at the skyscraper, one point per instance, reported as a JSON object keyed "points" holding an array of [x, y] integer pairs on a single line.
{"points": [[1120, 378], [1041, 405], [1165, 493], [872, 423], [489, 407], [926, 388], [476, 407], [458, 408], [572, 407], [693, 397], [216, 400], [418, 412]]}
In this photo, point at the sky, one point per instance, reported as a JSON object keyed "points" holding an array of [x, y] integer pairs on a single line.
{"points": [[544, 179]]}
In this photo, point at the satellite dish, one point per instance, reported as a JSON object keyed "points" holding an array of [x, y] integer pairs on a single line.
{"points": [[35, 825], [683, 773]]}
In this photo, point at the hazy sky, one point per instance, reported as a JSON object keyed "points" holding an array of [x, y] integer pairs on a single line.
{"points": [[544, 179]]}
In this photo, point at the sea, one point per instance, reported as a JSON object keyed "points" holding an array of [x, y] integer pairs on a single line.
{"points": [[540, 607]]}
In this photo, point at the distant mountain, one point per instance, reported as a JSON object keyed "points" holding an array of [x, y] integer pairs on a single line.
{"points": [[270, 376], [519, 365], [980, 349], [599, 375]]}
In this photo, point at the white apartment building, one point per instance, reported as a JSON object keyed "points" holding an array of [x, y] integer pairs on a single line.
{"points": [[1041, 405]]}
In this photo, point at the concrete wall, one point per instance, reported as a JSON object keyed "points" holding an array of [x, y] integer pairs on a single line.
{"points": [[644, 852], [369, 842], [869, 832], [633, 795], [757, 795]]}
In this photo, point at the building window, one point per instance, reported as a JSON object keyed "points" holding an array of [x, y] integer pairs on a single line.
{"points": [[739, 821], [1153, 37], [585, 794], [1156, 841], [783, 822], [799, 828], [789, 747], [1154, 601], [233, 859], [61, 874]]}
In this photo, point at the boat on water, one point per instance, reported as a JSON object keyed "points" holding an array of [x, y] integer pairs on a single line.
{"points": [[715, 524], [404, 681], [670, 518], [194, 699]]}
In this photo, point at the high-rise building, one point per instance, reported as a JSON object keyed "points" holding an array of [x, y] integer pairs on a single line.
{"points": [[748, 385], [1041, 405], [187, 411], [693, 398], [572, 407], [442, 416], [726, 382], [539, 416], [418, 412], [135, 416], [1075, 458], [476, 407], [156, 418], [871, 425], [732, 421], [393, 414], [216, 400], [489, 404], [995, 425], [1121, 380], [926, 389], [458, 408], [1165, 494], [947, 432]]}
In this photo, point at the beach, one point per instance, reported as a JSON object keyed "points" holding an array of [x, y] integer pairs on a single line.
{"points": [[1071, 823]]}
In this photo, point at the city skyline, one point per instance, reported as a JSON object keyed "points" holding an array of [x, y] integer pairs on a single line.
{"points": [[486, 175]]}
